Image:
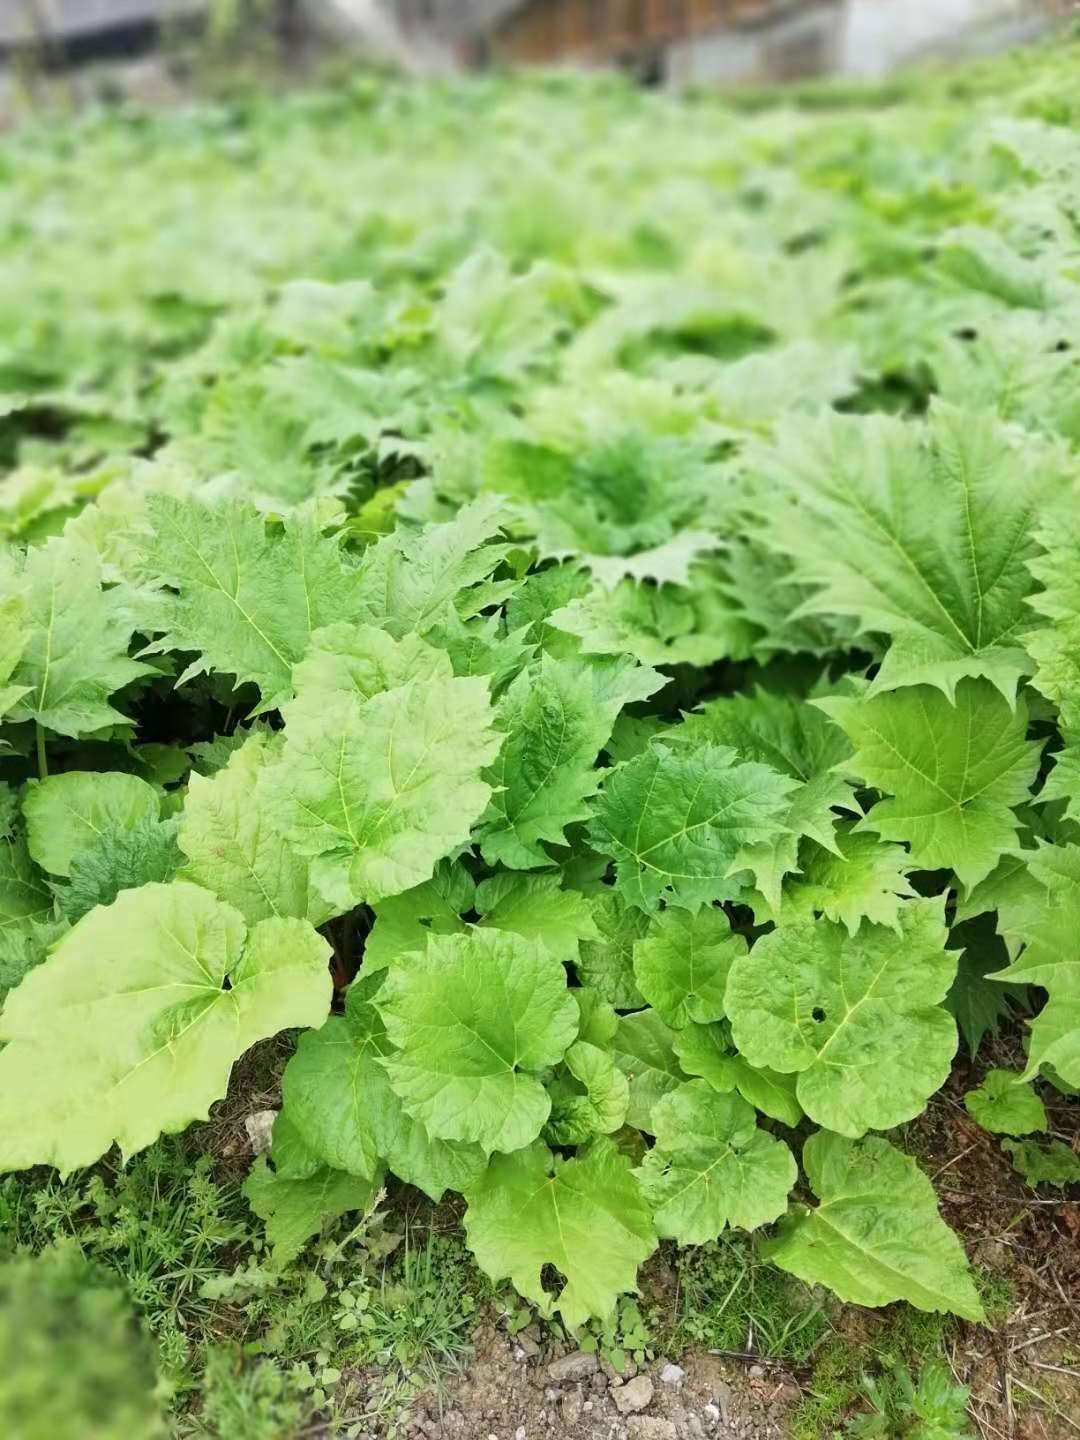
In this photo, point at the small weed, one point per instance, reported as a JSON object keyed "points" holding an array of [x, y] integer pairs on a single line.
{"points": [[877, 1368], [626, 1335], [932, 1408], [420, 1315], [247, 1401]]}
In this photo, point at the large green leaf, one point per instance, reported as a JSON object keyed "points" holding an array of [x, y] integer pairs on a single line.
{"points": [[644, 1048], [557, 715], [376, 792], [339, 1099], [132, 1025], [794, 739], [938, 524], [954, 772], [295, 1210], [244, 594], [474, 1019], [875, 1235], [68, 813], [708, 1051], [712, 1167], [74, 641], [857, 1018], [1039, 917], [682, 965], [233, 846], [676, 823], [586, 1217]]}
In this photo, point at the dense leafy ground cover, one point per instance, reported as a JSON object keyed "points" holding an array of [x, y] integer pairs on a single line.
{"points": [[568, 600]]}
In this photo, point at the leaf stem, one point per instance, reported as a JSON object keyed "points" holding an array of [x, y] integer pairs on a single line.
{"points": [[42, 761]]}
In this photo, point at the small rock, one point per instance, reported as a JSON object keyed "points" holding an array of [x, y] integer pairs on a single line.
{"points": [[260, 1128], [711, 1413], [723, 1400], [570, 1408], [650, 1427], [598, 1383], [757, 1372], [588, 1407], [527, 1344], [552, 1394], [694, 1427], [672, 1375], [577, 1366], [519, 1433], [634, 1395]]}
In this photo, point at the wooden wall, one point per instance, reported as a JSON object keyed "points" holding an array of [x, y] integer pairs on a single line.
{"points": [[602, 31]]}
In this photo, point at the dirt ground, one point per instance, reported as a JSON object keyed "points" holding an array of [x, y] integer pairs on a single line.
{"points": [[1023, 1367]]}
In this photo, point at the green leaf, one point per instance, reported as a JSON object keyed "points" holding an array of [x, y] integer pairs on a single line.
{"points": [[858, 1018], [536, 908], [74, 642], [978, 999], [796, 740], [659, 625], [12, 643], [712, 1167], [676, 823], [954, 773], [68, 813], [233, 847], [864, 878], [708, 1051], [338, 1098], [589, 1097], [119, 860], [586, 1217], [644, 1048], [24, 895], [408, 578], [1055, 648], [245, 595], [938, 522], [1052, 1164], [557, 716], [129, 1030], [607, 963], [376, 792], [474, 1020], [875, 1235], [1041, 913], [1005, 1105], [295, 1210], [403, 922], [682, 965]]}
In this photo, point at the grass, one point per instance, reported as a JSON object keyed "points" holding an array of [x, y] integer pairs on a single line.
{"points": [[732, 1300], [366, 1319]]}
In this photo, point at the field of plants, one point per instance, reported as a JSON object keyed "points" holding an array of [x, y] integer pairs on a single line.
{"points": [[562, 605]]}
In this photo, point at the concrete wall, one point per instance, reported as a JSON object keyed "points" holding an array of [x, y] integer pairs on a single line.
{"points": [[805, 41], [27, 20], [877, 35]]}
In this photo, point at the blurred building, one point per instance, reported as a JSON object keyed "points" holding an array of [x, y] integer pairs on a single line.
{"points": [[717, 40]]}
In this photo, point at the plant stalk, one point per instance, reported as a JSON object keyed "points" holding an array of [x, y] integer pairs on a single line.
{"points": [[42, 760]]}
